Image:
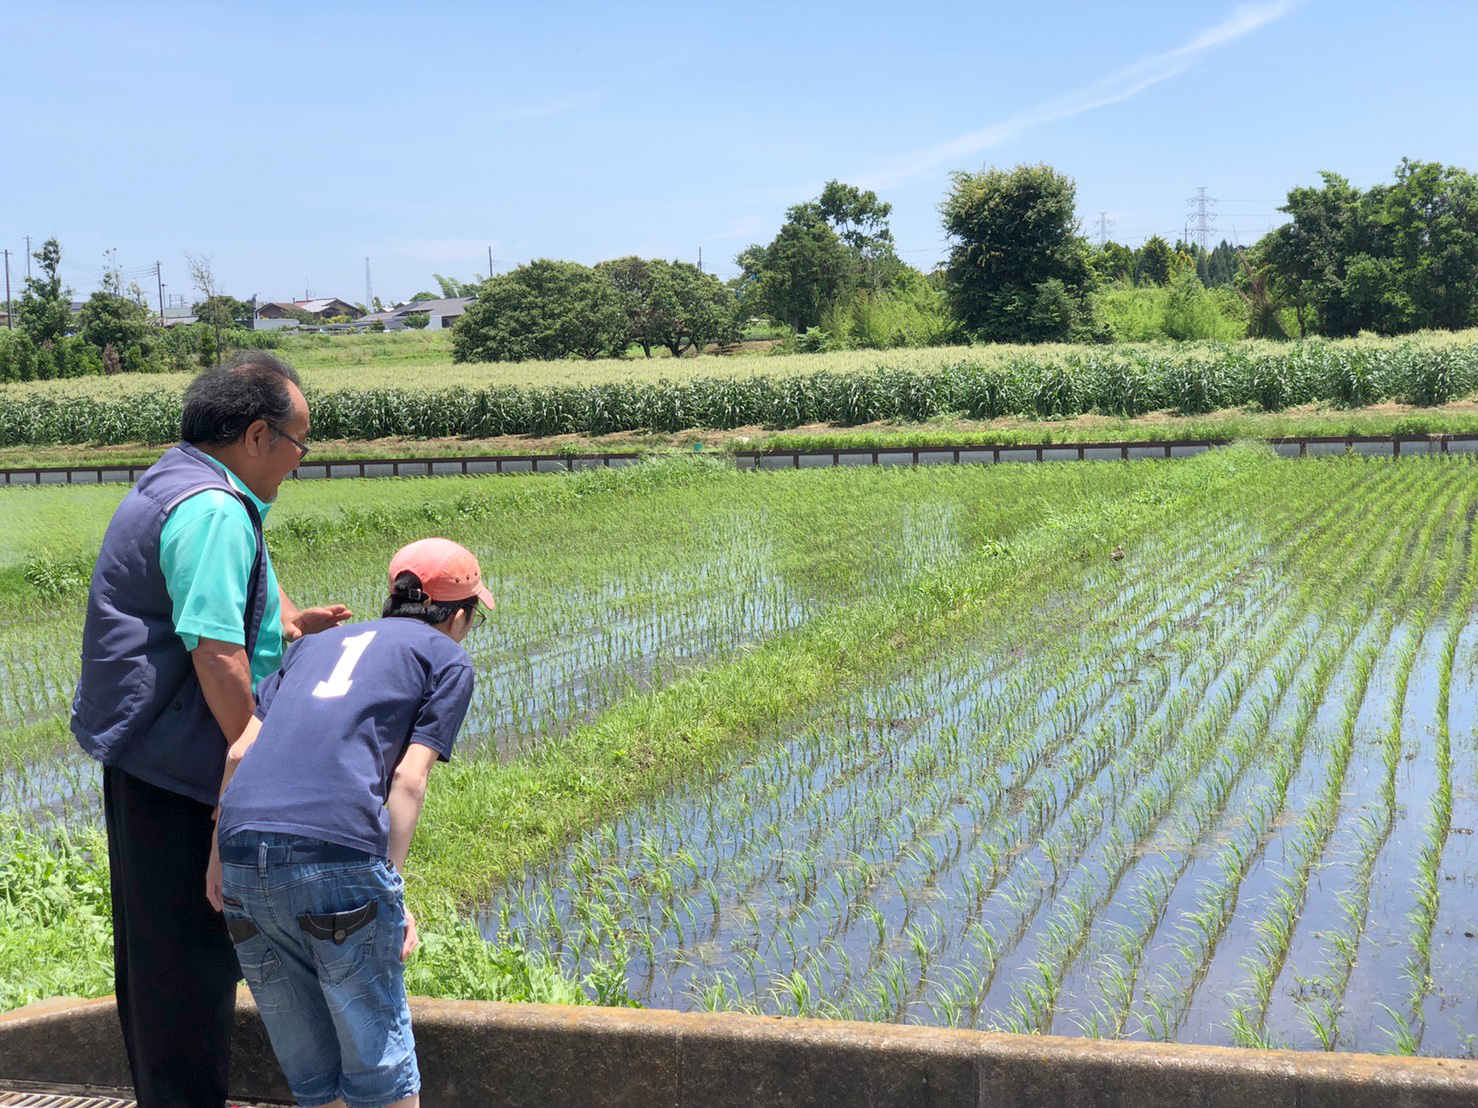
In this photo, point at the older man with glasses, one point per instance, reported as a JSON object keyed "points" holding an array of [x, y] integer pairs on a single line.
{"points": [[184, 616]]}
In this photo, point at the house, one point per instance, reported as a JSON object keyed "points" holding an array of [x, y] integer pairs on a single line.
{"points": [[277, 314], [327, 309], [274, 316], [441, 314]]}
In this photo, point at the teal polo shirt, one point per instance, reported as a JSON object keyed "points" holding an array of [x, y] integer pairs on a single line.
{"points": [[206, 550]]}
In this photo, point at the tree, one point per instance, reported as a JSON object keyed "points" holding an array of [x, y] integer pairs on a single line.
{"points": [[805, 269], [1113, 262], [221, 310], [647, 295], [1426, 227], [452, 288], [1153, 263], [826, 249], [1014, 232], [416, 320], [44, 311], [108, 319], [203, 277], [545, 309], [860, 220], [1222, 265], [706, 311]]}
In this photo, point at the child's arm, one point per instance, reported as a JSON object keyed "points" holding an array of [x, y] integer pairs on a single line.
{"points": [[233, 759], [407, 794]]}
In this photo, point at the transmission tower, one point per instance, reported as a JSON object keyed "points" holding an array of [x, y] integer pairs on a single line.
{"points": [[1204, 217], [1104, 223], [369, 290]]}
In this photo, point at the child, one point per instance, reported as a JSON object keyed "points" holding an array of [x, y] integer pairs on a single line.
{"points": [[319, 801]]}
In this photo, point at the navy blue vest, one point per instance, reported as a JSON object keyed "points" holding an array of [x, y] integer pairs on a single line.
{"points": [[138, 704]]}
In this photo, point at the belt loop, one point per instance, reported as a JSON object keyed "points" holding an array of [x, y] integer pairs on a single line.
{"points": [[261, 857]]}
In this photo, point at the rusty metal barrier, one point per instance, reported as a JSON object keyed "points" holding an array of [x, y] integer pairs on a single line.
{"points": [[964, 454]]}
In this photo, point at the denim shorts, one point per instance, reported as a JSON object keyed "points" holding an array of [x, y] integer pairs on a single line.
{"points": [[332, 990]]}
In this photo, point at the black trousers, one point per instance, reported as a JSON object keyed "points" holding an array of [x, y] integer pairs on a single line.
{"points": [[174, 969]]}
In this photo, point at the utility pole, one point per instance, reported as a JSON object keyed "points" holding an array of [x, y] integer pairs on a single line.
{"points": [[28, 257], [700, 259], [9, 312], [1204, 216], [159, 278], [369, 291], [1104, 223], [490, 263]]}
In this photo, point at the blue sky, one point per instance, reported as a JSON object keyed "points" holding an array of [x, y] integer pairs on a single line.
{"points": [[288, 142]]}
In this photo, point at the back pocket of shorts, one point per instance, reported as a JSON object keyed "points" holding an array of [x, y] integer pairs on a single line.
{"points": [[341, 941], [258, 961]]}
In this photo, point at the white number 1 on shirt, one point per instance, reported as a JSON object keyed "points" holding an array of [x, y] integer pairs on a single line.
{"points": [[338, 681]]}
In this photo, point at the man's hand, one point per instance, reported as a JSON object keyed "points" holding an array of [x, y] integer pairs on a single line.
{"points": [[412, 940], [310, 621]]}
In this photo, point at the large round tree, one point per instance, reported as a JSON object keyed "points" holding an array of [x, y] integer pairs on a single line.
{"points": [[1018, 270], [546, 309]]}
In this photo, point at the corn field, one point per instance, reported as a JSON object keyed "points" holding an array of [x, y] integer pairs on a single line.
{"points": [[1050, 382]]}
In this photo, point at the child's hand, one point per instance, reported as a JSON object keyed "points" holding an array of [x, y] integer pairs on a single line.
{"points": [[412, 940], [213, 874]]}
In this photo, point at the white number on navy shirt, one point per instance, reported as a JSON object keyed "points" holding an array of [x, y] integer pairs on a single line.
{"points": [[338, 681]]}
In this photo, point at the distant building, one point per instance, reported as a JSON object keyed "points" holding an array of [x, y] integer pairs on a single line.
{"points": [[327, 309], [283, 314], [441, 314], [176, 315]]}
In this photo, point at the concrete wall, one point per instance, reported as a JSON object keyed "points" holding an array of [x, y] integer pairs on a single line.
{"points": [[538, 1056]]}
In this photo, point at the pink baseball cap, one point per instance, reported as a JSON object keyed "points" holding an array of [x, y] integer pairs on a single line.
{"points": [[448, 572]]}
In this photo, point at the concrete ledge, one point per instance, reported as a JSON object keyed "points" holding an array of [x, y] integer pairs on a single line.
{"points": [[542, 1056]]}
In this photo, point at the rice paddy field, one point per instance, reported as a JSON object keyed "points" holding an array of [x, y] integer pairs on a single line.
{"points": [[1157, 750]]}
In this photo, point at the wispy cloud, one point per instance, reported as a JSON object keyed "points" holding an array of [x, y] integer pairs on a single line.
{"points": [[1113, 89]]}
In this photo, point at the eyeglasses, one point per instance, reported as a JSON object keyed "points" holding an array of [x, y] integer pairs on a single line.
{"points": [[302, 446]]}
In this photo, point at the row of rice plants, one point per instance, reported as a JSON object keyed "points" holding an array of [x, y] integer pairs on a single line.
{"points": [[1137, 963], [761, 899], [1168, 801], [1229, 996], [1394, 931], [1056, 382]]}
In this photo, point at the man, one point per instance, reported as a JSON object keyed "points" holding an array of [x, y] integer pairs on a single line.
{"points": [[183, 617]]}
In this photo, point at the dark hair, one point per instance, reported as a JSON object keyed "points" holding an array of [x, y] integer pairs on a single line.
{"points": [[223, 402], [406, 599]]}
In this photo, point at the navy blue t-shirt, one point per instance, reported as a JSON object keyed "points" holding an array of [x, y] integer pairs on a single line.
{"points": [[336, 719]]}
